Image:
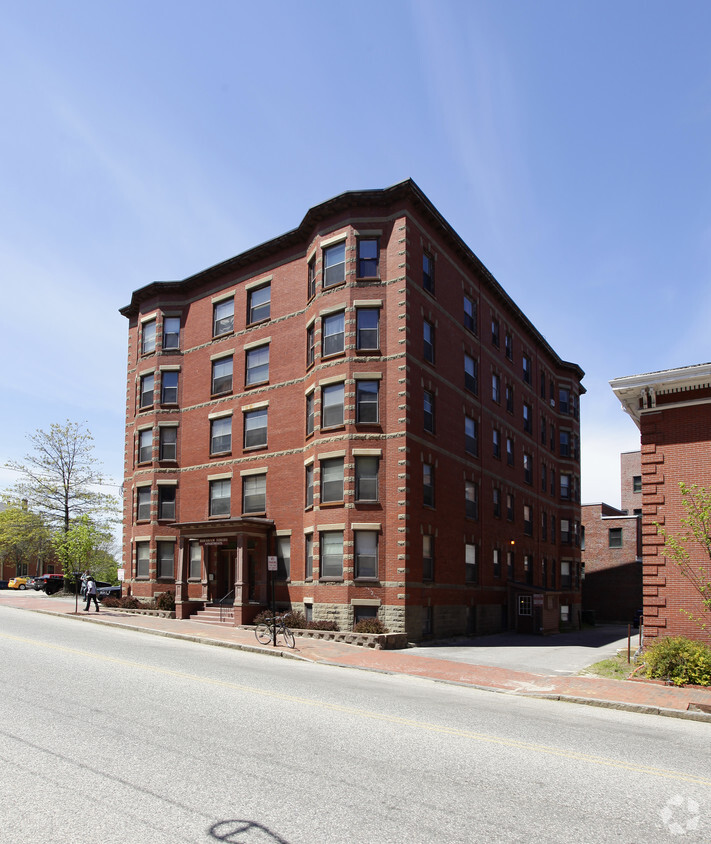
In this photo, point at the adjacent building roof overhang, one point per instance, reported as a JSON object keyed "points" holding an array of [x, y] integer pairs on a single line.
{"points": [[638, 393]]}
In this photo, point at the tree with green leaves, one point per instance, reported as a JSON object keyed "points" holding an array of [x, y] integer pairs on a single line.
{"points": [[61, 478], [24, 537], [682, 548], [85, 546]]}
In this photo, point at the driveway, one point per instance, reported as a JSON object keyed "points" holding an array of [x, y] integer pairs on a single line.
{"points": [[560, 655]]}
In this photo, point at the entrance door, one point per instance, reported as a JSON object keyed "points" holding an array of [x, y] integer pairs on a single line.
{"points": [[225, 575]]}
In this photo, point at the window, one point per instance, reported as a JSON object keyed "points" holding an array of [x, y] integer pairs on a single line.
{"points": [[544, 477], [543, 385], [310, 345], [223, 317], [565, 613], [309, 414], [145, 446], [367, 402], [471, 500], [565, 444], [148, 337], [222, 376], [509, 398], [637, 483], [367, 329], [471, 374], [143, 504], [509, 506], [254, 494], [171, 333], [526, 363], [428, 272], [528, 569], [283, 557], [332, 398], [564, 485], [428, 410], [527, 418], [147, 384], [427, 556], [168, 442], [495, 332], [333, 334], [332, 480], [428, 484], [195, 566], [496, 388], [166, 559], [614, 538], [366, 478], [220, 497], [544, 526], [334, 264], [470, 314], [508, 346], [564, 400], [565, 574], [257, 368], [368, 257], [471, 436], [166, 502], [509, 451], [543, 430], [525, 605], [142, 559], [471, 564], [255, 428], [332, 553], [496, 562], [259, 304], [496, 443], [528, 468], [221, 435], [428, 338], [553, 528], [169, 387], [309, 481], [565, 534], [366, 553], [311, 280], [497, 503], [309, 556], [527, 520], [510, 564]]}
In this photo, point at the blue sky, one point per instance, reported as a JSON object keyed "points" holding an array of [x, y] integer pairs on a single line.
{"points": [[568, 143]]}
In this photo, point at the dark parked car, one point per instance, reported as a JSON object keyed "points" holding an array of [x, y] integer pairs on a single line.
{"points": [[104, 590], [50, 583]]}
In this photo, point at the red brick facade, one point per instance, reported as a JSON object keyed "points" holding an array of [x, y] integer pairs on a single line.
{"points": [[673, 412], [351, 397]]}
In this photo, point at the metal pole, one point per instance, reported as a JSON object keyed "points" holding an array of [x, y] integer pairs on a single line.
{"points": [[629, 643], [274, 629]]}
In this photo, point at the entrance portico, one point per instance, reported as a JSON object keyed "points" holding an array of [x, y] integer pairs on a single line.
{"points": [[223, 563]]}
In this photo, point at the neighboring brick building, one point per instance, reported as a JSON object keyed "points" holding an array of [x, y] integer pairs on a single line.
{"points": [[672, 410], [631, 482], [360, 398]]}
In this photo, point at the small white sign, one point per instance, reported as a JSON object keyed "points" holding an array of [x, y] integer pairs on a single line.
{"points": [[121, 574], [271, 563]]}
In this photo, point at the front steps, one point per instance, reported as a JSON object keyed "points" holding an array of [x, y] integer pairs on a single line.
{"points": [[212, 614]]}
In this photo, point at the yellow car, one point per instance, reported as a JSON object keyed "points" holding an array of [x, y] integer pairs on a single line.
{"points": [[18, 582]]}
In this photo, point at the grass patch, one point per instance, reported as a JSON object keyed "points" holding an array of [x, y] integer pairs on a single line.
{"points": [[614, 668]]}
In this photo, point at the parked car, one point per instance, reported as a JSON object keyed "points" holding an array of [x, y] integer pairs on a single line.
{"points": [[103, 590], [18, 582], [51, 583]]}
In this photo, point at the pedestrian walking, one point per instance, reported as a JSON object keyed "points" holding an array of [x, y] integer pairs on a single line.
{"points": [[91, 593]]}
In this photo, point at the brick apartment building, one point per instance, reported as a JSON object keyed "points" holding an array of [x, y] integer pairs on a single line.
{"points": [[612, 549], [360, 398], [672, 410]]}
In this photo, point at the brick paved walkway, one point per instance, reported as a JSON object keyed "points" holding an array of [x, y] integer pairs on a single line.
{"points": [[633, 695]]}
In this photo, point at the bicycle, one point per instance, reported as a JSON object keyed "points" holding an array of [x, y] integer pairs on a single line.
{"points": [[264, 631]]}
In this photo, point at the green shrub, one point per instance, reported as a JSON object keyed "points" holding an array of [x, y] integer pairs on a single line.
{"points": [[166, 601], [680, 661], [370, 625]]}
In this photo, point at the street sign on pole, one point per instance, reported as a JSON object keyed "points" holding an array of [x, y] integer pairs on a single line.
{"points": [[271, 563]]}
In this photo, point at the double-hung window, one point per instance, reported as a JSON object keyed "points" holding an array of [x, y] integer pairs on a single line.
{"points": [[309, 556], [495, 333], [528, 468], [171, 333], [333, 333], [332, 401], [145, 446], [259, 304], [509, 451], [254, 493], [526, 364], [143, 503], [283, 557], [368, 257], [527, 418], [147, 384], [471, 374], [367, 402], [428, 333], [309, 414], [428, 484], [220, 497], [195, 569], [142, 559], [428, 411], [310, 345], [565, 485], [166, 502], [470, 314], [366, 478], [222, 376], [496, 443], [221, 435], [168, 442], [332, 480], [527, 520], [471, 500], [366, 553], [427, 556], [471, 563], [148, 337], [565, 443], [428, 272], [496, 388], [309, 485], [166, 560], [311, 279], [614, 538], [169, 386], [334, 264], [255, 428], [331, 553], [367, 329], [257, 365], [471, 436], [223, 317]]}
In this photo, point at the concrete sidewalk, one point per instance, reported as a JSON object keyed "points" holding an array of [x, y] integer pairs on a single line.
{"points": [[637, 696]]}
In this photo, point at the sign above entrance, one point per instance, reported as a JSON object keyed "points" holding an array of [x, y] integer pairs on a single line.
{"points": [[214, 541]]}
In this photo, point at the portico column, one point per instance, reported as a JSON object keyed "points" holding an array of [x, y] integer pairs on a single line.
{"points": [[239, 581], [182, 608]]}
